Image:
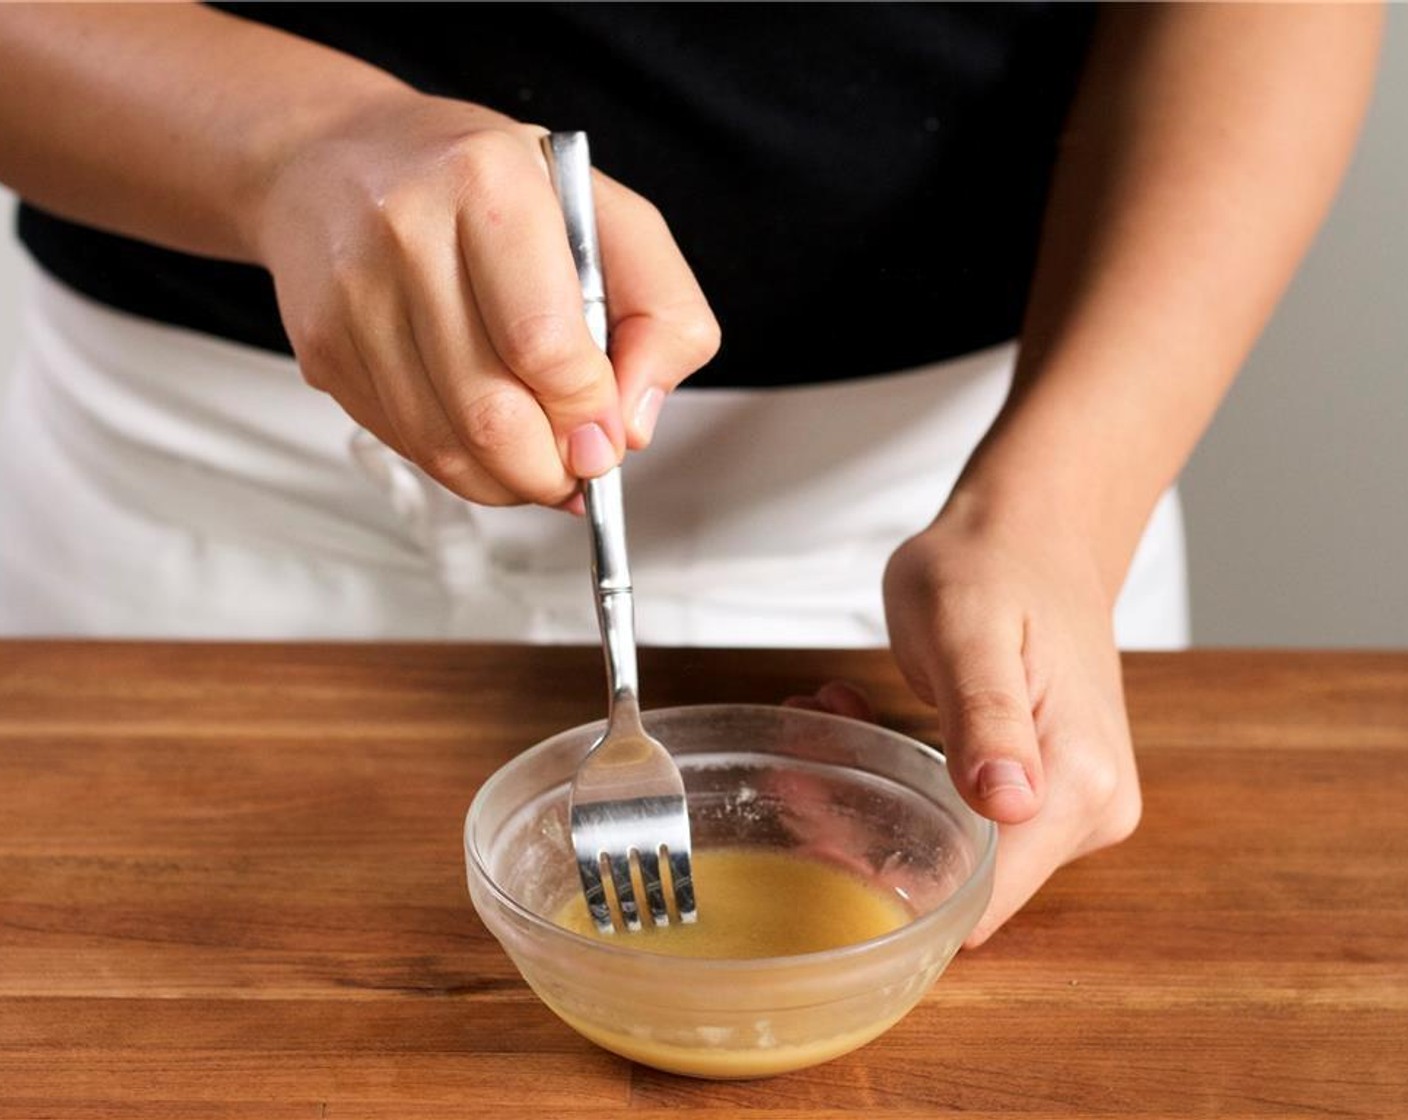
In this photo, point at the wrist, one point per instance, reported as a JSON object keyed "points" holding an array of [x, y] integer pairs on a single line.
{"points": [[1062, 521], [282, 143], [1070, 459]]}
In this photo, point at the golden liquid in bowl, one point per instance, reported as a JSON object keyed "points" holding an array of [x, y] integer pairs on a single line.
{"points": [[752, 903], [758, 903]]}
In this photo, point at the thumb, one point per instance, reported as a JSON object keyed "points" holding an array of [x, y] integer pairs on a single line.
{"points": [[985, 713]]}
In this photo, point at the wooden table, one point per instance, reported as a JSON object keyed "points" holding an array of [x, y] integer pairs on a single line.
{"points": [[231, 885]]}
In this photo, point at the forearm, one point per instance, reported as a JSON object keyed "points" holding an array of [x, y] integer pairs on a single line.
{"points": [[1203, 150], [164, 122]]}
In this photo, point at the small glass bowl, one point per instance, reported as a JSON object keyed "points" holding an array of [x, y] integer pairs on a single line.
{"points": [[846, 792]]}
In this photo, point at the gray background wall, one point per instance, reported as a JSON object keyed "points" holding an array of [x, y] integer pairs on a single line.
{"points": [[1297, 498]]}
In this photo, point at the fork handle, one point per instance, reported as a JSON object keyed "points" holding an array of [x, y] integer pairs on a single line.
{"points": [[569, 164]]}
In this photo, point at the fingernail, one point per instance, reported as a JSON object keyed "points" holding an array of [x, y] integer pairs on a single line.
{"points": [[647, 413], [575, 505], [589, 452], [999, 774]]}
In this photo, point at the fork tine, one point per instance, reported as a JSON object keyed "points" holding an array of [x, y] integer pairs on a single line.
{"points": [[654, 889], [682, 878], [595, 890], [625, 893]]}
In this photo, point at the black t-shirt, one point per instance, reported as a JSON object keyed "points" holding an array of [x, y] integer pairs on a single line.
{"points": [[858, 187]]}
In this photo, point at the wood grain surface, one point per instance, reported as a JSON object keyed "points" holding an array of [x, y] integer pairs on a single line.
{"points": [[231, 886]]}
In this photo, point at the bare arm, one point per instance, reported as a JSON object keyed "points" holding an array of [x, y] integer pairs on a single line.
{"points": [[418, 253], [1205, 145], [1202, 155], [166, 122]]}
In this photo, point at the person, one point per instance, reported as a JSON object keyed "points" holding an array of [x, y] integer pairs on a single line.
{"points": [[879, 200]]}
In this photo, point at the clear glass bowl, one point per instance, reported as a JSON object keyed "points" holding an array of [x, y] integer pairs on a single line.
{"points": [[846, 792]]}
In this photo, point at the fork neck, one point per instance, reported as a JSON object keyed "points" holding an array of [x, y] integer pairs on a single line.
{"points": [[615, 605], [615, 611]]}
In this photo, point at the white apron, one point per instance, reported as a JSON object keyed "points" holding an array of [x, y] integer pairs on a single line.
{"points": [[155, 482]]}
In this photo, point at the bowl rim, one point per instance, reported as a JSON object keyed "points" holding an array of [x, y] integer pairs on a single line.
{"points": [[644, 958]]}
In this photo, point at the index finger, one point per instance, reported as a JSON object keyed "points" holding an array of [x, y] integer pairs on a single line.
{"points": [[662, 328]]}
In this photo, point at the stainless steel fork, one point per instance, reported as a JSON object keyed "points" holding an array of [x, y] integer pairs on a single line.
{"points": [[627, 803]]}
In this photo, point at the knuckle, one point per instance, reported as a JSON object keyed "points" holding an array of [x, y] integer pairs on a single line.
{"points": [[533, 343], [455, 469], [317, 375], [909, 577], [481, 160], [1100, 779], [545, 351], [1109, 791], [701, 336], [988, 707], [449, 465], [318, 355], [1115, 805], [1122, 817], [493, 425]]}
